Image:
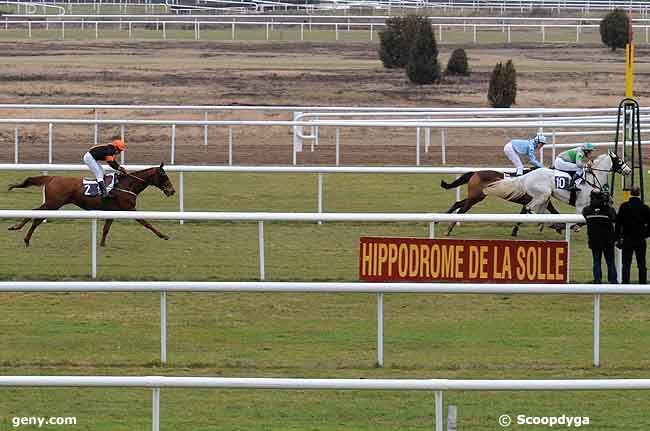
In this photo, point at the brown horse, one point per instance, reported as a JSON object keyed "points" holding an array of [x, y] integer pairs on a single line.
{"points": [[61, 191]]}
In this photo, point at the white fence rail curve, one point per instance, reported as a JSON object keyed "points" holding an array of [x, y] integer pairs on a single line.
{"points": [[164, 287], [437, 386]]}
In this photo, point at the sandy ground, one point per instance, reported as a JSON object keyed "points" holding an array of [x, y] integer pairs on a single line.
{"points": [[285, 73]]}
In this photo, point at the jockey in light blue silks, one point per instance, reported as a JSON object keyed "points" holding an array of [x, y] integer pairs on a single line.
{"points": [[518, 147], [574, 160]]}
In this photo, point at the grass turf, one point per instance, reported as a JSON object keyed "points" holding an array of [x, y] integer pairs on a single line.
{"points": [[297, 335]]}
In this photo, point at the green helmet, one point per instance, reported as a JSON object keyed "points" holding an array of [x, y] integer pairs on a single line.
{"points": [[587, 147]]}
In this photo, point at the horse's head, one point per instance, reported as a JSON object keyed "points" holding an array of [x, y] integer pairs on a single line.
{"points": [[618, 165], [161, 180]]}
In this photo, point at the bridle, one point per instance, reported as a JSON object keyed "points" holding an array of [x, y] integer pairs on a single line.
{"points": [[617, 166]]}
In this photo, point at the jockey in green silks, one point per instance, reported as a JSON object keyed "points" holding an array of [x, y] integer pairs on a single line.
{"points": [[575, 160]]}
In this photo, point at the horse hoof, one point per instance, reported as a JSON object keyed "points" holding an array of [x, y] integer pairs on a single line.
{"points": [[26, 243], [165, 237], [102, 244]]}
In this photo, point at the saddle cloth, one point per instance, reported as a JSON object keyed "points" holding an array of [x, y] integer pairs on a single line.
{"points": [[562, 180], [90, 187]]}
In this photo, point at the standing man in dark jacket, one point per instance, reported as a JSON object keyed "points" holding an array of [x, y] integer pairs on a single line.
{"points": [[631, 232], [600, 218]]}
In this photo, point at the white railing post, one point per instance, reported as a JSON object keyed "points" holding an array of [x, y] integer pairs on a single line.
{"points": [[173, 157], [438, 416], [417, 146], [163, 327], [427, 138], [205, 129], [380, 329], [443, 146], [16, 145], [49, 143], [229, 146], [338, 146], [432, 229], [155, 409], [567, 237], [260, 225], [181, 194], [320, 195], [93, 249], [597, 330]]}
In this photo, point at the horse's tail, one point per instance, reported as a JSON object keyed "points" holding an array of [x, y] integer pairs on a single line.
{"points": [[39, 181], [463, 179]]}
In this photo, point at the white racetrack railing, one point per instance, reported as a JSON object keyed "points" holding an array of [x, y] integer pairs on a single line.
{"points": [[437, 386], [417, 125], [321, 171], [200, 26], [165, 287], [260, 217]]}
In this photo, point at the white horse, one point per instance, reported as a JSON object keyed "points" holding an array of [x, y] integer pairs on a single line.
{"points": [[535, 189]]}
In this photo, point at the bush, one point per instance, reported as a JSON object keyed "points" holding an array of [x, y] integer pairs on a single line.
{"points": [[457, 64], [503, 86], [396, 41], [613, 29], [423, 67]]}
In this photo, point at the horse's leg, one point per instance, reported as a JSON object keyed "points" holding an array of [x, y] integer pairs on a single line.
{"points": [[107, 227], [453, 208], [19, 225], [152, 229], [467, 205], [515, 228], [35, 222]]}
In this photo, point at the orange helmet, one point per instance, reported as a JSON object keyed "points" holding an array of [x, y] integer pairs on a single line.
{"points": [[119, 144]]}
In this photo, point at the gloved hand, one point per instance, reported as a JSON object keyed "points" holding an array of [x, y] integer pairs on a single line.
{"points": [[619, 243], [123, 170]]}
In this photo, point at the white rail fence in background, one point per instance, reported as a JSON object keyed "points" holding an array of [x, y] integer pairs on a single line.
{"points": [[437, 386], [165, 287], [199, 27], [261, 217]]}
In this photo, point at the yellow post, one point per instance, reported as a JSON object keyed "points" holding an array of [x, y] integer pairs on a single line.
{"points": [[629, 60]]}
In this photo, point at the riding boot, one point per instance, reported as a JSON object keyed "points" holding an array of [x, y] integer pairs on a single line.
{"points": [[102, 189]]}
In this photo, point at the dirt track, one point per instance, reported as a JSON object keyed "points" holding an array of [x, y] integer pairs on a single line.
{"points": [[282, 73]]}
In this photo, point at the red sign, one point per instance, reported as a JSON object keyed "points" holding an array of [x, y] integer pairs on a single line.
{"points": [[462, 260]]}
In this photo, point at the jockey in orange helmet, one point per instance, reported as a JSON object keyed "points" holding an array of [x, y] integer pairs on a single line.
{"points": [[107, 153]]}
